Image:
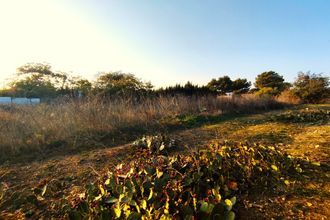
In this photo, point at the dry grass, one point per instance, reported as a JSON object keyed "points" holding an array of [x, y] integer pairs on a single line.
{"points": [[67, 175], [72, 124], [287, 96]]}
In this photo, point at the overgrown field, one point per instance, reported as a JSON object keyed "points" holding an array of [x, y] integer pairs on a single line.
{"points": [[209, 164], [37, 131]]}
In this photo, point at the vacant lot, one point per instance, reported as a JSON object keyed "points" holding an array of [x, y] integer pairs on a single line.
{"points": [[41, 187]]}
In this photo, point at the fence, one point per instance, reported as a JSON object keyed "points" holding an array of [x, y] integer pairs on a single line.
{"points": [[19, 101]]}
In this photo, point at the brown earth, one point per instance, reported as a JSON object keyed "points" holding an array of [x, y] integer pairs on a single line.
{"points": [[65, 176]]}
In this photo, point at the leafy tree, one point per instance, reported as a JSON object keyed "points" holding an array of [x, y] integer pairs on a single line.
{"points": [[82, 86], [311, 88], [222, 85], [188, 89], [43, 72], [241, 86], [35, 80], [121, 84], [31, 87], [271, 82], [39, 80], [38, 69], [267, 92]]}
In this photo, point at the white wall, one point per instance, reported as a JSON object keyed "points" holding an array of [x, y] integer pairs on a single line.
{"points": [[34, 101], [5, 100], [19, 101]]}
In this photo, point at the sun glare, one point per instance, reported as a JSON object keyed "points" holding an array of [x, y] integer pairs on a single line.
{"points": [[48, 31]]}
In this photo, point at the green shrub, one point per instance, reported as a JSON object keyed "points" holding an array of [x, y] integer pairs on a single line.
{"points": [[267, 92], [303, 116], [311, 88], [203, 185]]}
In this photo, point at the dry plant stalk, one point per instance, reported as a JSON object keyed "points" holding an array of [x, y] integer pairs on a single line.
{"points": [[33, 128]]}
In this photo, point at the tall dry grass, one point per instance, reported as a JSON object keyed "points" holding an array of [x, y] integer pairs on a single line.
{"points": [[73, 124], [287, 96]]}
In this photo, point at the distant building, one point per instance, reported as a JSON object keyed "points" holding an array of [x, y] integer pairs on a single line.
{"points": [[19, 101], [5, 100], [34, 101]]}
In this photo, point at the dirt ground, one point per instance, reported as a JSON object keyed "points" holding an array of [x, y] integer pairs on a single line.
{"points": [[64, 176]]}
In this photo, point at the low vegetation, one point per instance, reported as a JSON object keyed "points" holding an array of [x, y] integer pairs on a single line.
{"points": [[35, 131], [204, 184], [39, 80], [248, 166], [217, 151], [316, 116]]}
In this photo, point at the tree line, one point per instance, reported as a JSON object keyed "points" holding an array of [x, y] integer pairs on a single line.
{"points": [[37, 80]]}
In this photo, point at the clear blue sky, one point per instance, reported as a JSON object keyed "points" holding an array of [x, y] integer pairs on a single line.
{"points": [[175, 41]]}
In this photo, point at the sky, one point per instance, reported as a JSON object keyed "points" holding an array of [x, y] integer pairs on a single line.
{"points": [[167, 42]]}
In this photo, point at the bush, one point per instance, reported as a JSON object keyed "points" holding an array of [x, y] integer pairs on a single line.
{"points": [[119, 85], [311, 88], [267, 92], [306, 115], [203, 185], [288, 96], [270, 83]]}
